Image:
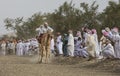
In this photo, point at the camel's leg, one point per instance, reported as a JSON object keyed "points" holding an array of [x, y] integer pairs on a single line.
{"points": [[39, 58], [47, 53], [46, 60], [40, 54], [44, 55], [48, 56], [48, 48]]}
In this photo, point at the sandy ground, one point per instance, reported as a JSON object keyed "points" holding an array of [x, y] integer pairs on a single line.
{"points": [[12, 65]]}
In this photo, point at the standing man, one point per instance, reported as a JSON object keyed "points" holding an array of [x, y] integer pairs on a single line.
{"points": [[70, 45], [19, 48], [65, 41], [59, 43], [3, 47], [97, 50]]}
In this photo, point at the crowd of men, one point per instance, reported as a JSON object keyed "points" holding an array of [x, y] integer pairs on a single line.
{"points": [[20, 47], [84, 44]]}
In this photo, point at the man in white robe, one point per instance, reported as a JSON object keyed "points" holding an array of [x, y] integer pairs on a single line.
{"points": [[115, 38], [35, 46], [19, 48], [90, 46], [97, 47], [3, 48], [77, 46], [108, 50], [59, 43], [13, 45], [70, 45], [9, 47], [44, 29], [27, 47], [52, 44]]}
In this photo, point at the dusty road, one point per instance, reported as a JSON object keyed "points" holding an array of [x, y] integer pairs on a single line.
{"points": [[26, 66]]}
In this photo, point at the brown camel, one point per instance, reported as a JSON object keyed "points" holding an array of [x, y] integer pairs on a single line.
{"points": [[44, 52]]}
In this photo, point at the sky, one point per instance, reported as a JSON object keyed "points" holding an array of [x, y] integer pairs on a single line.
{"points": [[26, 8]]}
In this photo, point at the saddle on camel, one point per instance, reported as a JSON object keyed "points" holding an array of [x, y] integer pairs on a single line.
{"points": [[44, 39]]}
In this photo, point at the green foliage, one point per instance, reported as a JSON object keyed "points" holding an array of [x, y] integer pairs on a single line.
{"points": [[111, 15], [68, 17], [64, 18], [25, 29]]}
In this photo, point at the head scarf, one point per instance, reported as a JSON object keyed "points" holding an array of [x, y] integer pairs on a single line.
{"points": [[115, 30]]}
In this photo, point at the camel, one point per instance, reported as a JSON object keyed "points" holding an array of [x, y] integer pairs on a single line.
{"points": [[44, 51]]}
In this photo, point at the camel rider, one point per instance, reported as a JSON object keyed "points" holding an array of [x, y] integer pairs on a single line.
{"points": [[43, 29]]}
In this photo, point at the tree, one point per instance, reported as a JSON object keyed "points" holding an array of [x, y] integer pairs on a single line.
{"points": [[64, 18], [24, 29], [111, 15], [68, 17]]}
